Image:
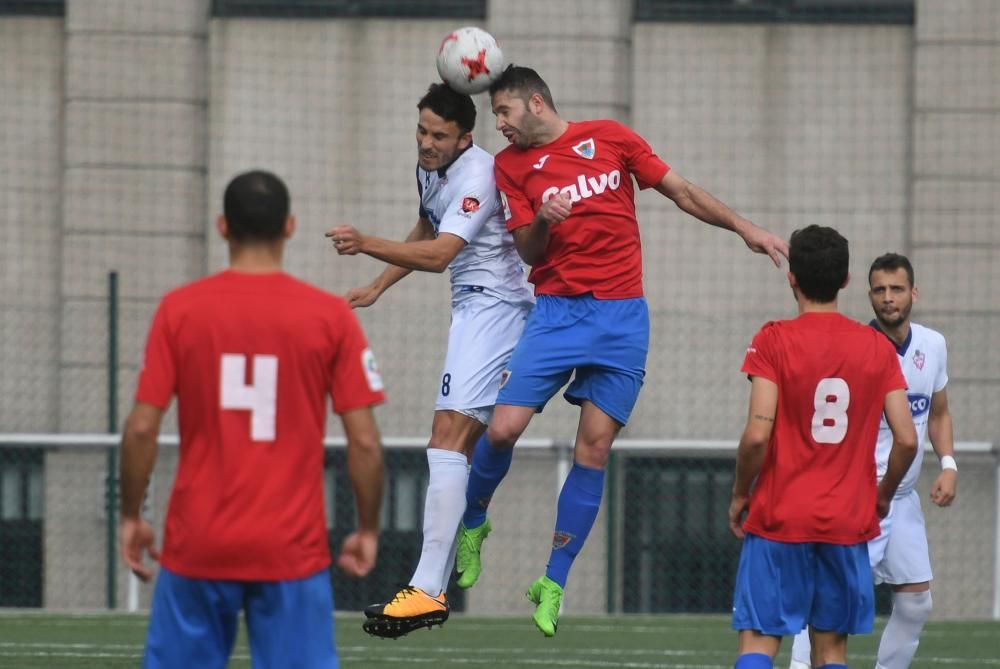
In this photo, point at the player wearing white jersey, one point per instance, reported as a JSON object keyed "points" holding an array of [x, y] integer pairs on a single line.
{"points": [[460, 226], [899, 555]]}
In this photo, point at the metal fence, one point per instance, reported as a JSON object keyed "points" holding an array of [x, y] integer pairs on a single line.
{"points": [[661, 544]]}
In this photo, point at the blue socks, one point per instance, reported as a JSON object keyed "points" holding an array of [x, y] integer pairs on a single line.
{"points": [[579, 501], [753, 661], [489, 466]]}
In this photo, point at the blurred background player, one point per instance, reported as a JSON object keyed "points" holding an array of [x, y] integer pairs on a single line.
{"points": [[252, 355], [459, 227], [820, 383], [899, 555], [569, 202]]}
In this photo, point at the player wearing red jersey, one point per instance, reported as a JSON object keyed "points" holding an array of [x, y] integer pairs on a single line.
{"points": [[569, 203], [251, 354], [820, 384]]}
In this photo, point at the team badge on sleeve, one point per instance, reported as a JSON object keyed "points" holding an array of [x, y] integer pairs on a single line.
{"points": [[470, 204], [371, 371], [506, 206]]}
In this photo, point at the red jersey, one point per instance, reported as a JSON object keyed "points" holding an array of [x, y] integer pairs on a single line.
{"points": [[596, 249], [252, 358], [817, 482]]}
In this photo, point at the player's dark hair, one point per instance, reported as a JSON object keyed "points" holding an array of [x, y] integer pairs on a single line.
{"points": [[256, 206], [450, 105], [890, 262], [524, 82], [819, 259]]}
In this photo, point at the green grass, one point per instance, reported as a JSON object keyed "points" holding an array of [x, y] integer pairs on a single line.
{"points": [[100, 641]]}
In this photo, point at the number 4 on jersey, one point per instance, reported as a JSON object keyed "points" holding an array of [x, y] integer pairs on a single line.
{"points": [[260, 398]]}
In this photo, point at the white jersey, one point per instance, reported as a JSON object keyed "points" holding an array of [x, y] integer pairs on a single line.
{"points": [[462, 199], [924, 360]]}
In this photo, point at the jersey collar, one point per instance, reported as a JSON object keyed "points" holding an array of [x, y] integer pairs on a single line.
{"points": [[900, 348], [443, 170]]}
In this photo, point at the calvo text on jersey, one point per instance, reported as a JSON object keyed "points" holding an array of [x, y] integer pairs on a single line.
{"points": [[586, 186]]}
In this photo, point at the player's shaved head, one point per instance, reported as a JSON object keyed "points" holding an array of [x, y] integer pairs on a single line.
{"points": [[819, 258], [450, 105], [890, 262], [256, 206], [523, 82]]}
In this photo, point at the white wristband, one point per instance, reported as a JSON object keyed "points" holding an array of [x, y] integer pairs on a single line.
{"points": [[948, 462]]}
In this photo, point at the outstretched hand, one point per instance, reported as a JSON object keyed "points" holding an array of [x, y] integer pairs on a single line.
{"points": [[760, 240], [136, 538], [362, 297], [346, 239], [357, 553]]}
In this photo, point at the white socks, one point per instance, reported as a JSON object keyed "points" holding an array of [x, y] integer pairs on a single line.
{"points": [[910, 610], [444, 505], [801, 651]]}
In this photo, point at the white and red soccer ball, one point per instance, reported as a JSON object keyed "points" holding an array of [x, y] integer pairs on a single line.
{"points": [[469, 60]]}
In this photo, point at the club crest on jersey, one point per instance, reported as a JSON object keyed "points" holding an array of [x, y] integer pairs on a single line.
{"points": [[586, 149], [918, 359], [560, 539], [470, 205], [504, 377]]}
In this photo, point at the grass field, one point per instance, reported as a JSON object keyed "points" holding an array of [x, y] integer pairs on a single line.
{"points": [[99, 641]]}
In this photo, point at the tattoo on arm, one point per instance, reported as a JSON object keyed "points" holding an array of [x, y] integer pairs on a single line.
{"points": [[769, 419]]}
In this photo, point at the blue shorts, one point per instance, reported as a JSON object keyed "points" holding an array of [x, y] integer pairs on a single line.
{"points": [[782, 587], [193, 623], [604, 341]]}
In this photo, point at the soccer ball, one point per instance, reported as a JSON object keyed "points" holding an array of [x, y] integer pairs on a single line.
{"points": [[469, 60]]}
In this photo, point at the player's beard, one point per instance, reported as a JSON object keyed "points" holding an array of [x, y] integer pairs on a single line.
{"points": [[896, 318], [435, 160], [528, 132]]}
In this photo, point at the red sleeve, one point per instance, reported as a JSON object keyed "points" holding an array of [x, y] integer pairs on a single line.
{"points": [[647, 167], [760, 358], [355, 380], [517, 210], [158, 377]]}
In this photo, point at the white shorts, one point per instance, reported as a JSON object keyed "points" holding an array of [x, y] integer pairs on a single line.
{"points": [[484, 330], [899, 555]]}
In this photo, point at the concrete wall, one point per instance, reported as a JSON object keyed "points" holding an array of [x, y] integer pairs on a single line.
{"points": [[128, 118], [31, 73], [133, 198]]}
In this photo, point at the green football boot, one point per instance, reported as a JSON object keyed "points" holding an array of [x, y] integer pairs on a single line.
{"points": [[547, 596], [467, 562]]}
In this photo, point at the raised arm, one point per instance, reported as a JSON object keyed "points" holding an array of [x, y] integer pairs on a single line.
{"points": [[904, 447], [365, 469], [753, 447], [532, 239], [365, 296], [705, 207], [138, 457], [426, 253], [939, 429]]}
